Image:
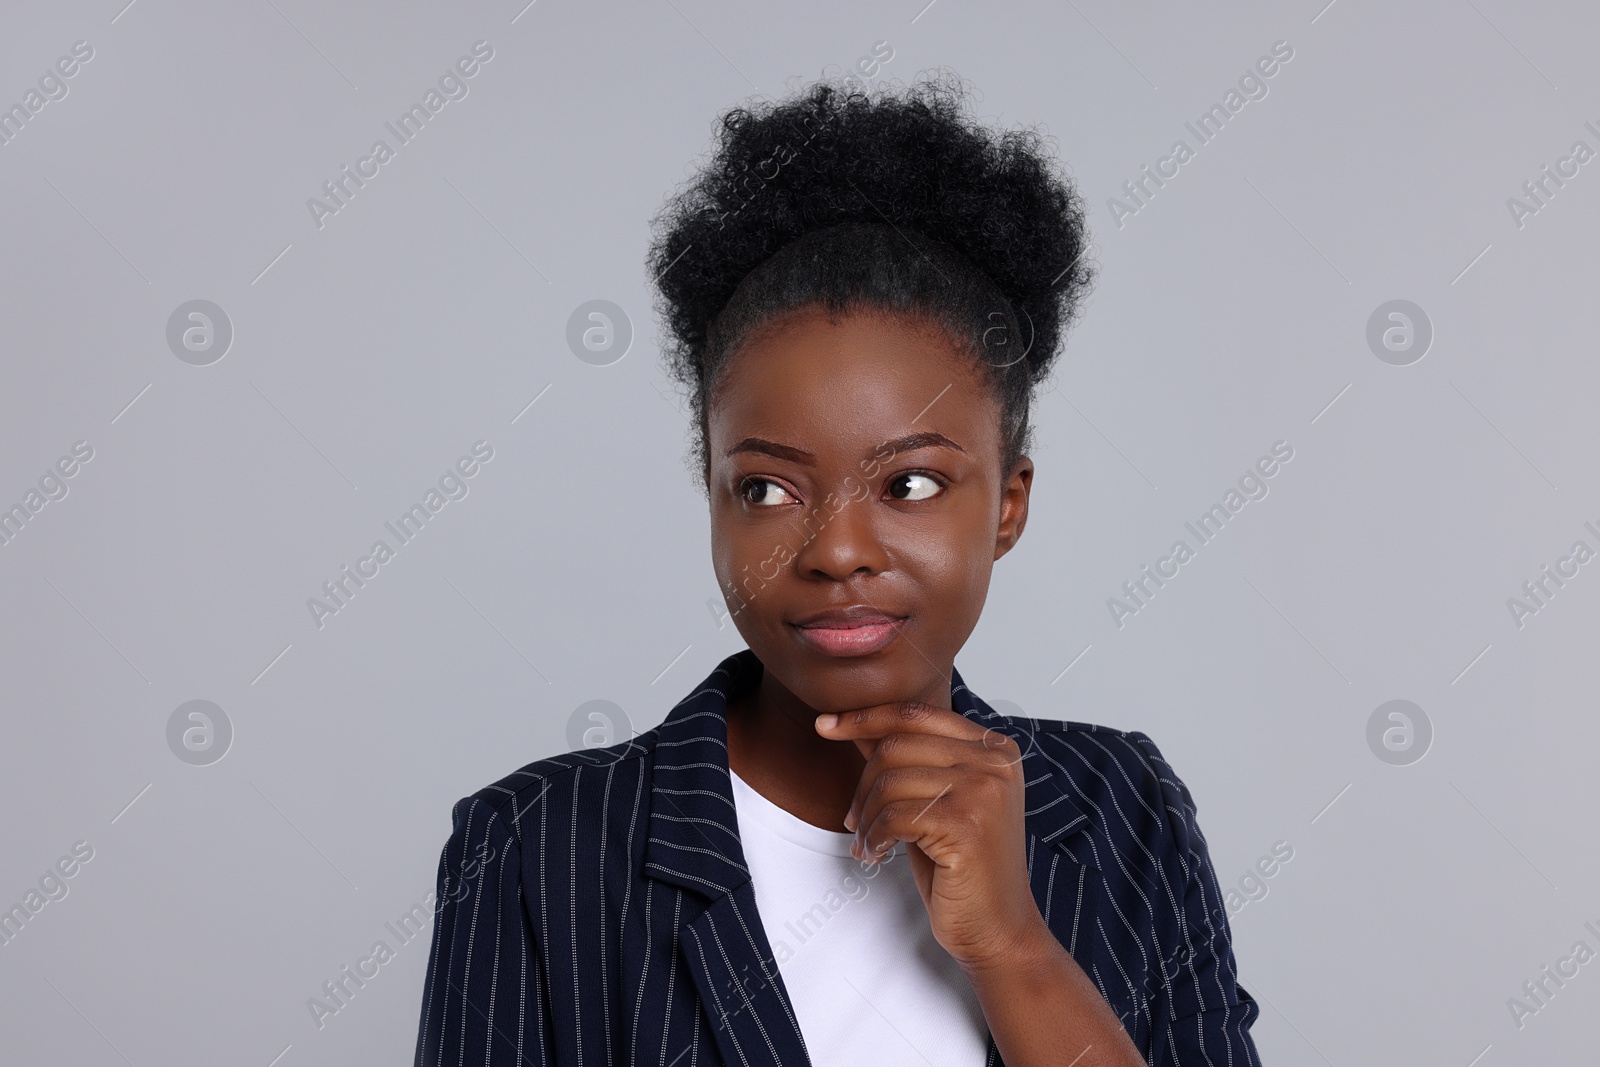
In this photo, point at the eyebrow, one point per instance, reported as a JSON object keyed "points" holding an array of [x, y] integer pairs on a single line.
{"points": [[909, 443]]}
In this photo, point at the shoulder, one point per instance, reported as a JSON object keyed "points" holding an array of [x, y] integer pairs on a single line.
{"points": [[575, 784], [1118, 777]]}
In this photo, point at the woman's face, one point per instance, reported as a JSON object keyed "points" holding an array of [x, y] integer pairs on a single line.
{"points": [[813, 508]]}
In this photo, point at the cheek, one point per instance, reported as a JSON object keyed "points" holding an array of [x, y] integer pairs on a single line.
{"points": [[727, 560], [733, 555], [730, 536], [952, 573], [750, 562]]}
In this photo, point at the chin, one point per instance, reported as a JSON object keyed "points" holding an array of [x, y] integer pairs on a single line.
{"points": [[838, 684]]}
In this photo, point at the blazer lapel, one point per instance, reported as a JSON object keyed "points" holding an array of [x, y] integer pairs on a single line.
{"points": [[694, 844], [739, 983]]}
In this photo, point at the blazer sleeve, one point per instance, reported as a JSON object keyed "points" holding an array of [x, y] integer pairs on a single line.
{"points": [[484, 1000], [1202, 1015]]}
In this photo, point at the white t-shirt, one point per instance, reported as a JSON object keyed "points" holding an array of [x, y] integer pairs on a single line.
{"points": [[869, 983]]}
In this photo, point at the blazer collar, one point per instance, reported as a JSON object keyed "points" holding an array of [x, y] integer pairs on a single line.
{"points": [[694, 831]]}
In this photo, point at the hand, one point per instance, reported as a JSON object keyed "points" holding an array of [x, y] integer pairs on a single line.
{"points": [[954, 792]]}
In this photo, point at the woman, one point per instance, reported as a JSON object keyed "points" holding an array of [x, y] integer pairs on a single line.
{"points": [[832, 851]]}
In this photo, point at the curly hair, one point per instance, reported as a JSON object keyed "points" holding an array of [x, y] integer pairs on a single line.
{"points": [[848, 198]]}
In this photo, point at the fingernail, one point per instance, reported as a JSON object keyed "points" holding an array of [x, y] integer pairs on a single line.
{"points": [[850, 820], [827, 722]]}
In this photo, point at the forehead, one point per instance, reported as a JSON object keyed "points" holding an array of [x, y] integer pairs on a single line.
{"points": [[853, 382]]}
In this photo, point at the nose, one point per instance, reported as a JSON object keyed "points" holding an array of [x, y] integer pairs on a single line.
{"points": [[839, 540]]}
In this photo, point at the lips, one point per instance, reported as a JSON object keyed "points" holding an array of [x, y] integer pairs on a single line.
{"points": [[856, 630]]}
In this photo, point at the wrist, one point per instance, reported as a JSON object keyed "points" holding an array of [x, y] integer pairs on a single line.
{"points": [[1022, 958]]}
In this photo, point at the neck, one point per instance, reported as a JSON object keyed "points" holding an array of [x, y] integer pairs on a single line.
{"points": [[775, 726], [774, 746]]}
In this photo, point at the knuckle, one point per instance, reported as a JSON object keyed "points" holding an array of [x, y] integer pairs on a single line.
{"points": [[911, 712], [888, 778], [1000, 742]]}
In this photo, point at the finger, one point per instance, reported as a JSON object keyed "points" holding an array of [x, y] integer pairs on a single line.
{"points": [[916, 811], [906, 716], [923, 750], [909, 799]]}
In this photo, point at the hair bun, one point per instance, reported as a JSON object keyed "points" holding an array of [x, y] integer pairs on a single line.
{"points": [[910, 158]]}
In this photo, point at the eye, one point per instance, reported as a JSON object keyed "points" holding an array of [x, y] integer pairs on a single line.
{"points": [[917, 486], [763, 489]]}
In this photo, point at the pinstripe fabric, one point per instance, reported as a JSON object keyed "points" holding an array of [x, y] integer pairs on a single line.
{"points": [[596, 908]]}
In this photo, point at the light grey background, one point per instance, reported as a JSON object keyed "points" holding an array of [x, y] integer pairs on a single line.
{"points": [[370, 353]]}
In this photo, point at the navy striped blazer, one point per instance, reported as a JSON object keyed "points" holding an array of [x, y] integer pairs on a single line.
{"points": [[595, 907]]}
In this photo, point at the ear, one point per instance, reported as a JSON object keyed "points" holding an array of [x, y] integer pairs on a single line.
{"points": [[1013, 507]]}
